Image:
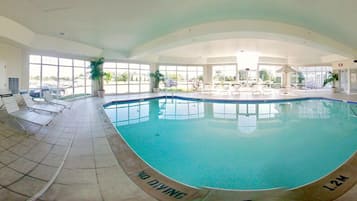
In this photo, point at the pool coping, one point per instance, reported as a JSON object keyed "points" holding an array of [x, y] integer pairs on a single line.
{"points": [[164, 188]]}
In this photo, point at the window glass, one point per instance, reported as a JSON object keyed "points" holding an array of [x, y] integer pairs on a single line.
{"points": [[224, 73], [65, 62], [49, 77], [35, 59], [60, 76], [312, 77], [187, 78], [66, 80], [78, 63], [109, 65], [123, 65], [50, 60], [35, 76], [79, 81], [126, 77]]}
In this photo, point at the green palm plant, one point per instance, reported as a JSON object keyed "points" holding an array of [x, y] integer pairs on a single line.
{"points": [[156, 78], [96, 72], [332, 77]]}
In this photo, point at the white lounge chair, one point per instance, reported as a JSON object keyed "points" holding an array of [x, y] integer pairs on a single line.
{"points": [[235, 89], [1, 104], [257, 89], [41, 107], [207, 88], [26, 115], [48, 97]]}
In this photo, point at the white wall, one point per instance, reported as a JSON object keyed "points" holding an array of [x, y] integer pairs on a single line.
{"points": [[12, 64], [3, 74], [62, 46]]}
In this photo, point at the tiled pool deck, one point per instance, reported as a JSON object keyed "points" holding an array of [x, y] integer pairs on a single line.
{"points": [[91, 171]]}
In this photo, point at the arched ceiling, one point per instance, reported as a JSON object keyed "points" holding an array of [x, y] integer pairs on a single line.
{"points": [[123, 26], [265, 48]]}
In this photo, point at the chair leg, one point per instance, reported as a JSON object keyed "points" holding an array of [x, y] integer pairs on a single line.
{"points": [[22, 126]]}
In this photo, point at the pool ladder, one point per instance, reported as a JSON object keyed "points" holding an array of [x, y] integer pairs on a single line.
{"points": [[353, 109]]}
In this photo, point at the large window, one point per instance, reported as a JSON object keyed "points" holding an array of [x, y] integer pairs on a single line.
{"points": [[187, 78], [126, 78], [224, 73], [268, 74], [313, 77], [60, 76]]}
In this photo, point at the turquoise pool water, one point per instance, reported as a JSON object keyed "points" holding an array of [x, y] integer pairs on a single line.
{"points": [[239, 145]]}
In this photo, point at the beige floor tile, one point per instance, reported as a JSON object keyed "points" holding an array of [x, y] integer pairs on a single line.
{"points": [[39, 152], [43, 172], [30, 142], [116, 186], [52, 160], [75, 192], [77, 176], [351, 195], [22, 165], [59, 150], [81, 150], [80, 162], [27, 186], [17, 138], [21, 149], [6, 195], [102, 149], [105, 160], [63, 141], [7, 157], [50, 140], [8, 176], [7, 143]]}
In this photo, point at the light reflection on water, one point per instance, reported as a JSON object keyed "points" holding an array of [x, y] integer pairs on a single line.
{"points": [[247, 115]]}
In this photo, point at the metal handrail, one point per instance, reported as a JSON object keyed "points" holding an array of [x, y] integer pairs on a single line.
{"points": [[354, 112]]}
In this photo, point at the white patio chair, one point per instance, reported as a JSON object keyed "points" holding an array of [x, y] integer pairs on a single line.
{"points": [[267, 90], [235, 89], [257, 89], [55, 109], [208, 88], [25, 115], [49, 98]]}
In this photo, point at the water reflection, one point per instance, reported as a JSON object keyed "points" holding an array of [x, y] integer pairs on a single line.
{"points": [[247, 115]]}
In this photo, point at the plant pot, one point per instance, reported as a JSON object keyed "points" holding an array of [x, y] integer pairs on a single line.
{"points": [[101, 93], [155, 90], [334, 90]]}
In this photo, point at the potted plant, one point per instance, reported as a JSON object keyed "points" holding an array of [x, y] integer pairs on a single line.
{"points": [[156, 77], [332, 77], [300, 78], [96, 74]]}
